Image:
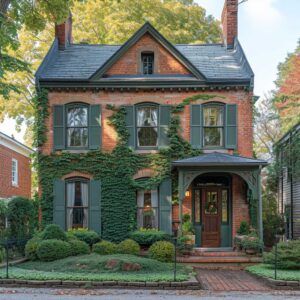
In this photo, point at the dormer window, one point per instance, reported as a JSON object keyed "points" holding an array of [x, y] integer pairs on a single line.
{"points": [[147, 63]]}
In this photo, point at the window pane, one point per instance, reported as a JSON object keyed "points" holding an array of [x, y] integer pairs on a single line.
{"points": [[224, 206], [77, 116], [77, 137], [213, 136], [147, 116], [211, 205], [197, 207], [147, 63], [147, 136], [213, 116]]}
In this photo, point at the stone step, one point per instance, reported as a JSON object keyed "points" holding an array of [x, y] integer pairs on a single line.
{"points": [[217, 253], [219, 259]]}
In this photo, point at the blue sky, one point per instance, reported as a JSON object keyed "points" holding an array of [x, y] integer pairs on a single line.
{"points": [[268, 30]]}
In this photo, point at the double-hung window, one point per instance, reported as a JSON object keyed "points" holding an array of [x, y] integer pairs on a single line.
{"points": [[147, 60], [14, 172]]}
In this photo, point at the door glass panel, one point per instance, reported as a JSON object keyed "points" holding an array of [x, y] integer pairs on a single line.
{"points": [[211, 205], [197, 207], [224, 206]]}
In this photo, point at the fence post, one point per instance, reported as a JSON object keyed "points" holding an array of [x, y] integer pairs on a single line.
{"points": [[6, 250]]}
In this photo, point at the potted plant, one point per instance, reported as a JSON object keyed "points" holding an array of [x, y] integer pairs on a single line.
{"points": [[188, 230], [242, 233], [252, 244]]}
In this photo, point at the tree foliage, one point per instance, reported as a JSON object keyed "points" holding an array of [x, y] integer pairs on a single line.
{"points": [[94, 21]]}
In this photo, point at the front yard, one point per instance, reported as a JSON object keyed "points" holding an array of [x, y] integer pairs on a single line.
{"points": [[95, 267]]}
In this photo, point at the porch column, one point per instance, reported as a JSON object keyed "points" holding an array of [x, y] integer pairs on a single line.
{"points": [[180, 198], [260, 206]]}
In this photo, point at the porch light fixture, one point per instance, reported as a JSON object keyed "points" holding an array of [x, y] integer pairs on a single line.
{"points": [[187, 193]]}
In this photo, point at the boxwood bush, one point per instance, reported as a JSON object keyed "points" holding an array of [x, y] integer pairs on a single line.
{"points": [[88, 236], [49, 250], [31, 248], [147, 237], [288, 255], [78, 247], [129, 246], [162, 251], [105, 248], [53, 231]]}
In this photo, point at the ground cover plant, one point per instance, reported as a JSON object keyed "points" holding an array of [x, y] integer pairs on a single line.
{"points": [[96, 267], [266, 270]]}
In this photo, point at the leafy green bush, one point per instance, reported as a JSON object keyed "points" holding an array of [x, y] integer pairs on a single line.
{"points": [[88, 236], [252, 243], [129, 247], [162, 251], [1, 254], [105, 248], [49, 250], [244, 228], [53, 231], [288, 255], [273, 224], [78, 247], [31, 248], [147, 237]]}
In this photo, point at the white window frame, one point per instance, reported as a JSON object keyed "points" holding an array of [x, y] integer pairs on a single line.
{"points": [[14, 172]]}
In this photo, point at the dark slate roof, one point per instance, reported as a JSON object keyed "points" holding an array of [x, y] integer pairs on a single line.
{"points": [[218, 159], [81, 61]]}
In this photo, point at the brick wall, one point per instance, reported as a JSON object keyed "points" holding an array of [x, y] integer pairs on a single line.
{"points": [[24, 174]]}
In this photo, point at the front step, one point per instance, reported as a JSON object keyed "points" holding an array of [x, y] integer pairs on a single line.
{"points": [[200, 252], [219, 259]]}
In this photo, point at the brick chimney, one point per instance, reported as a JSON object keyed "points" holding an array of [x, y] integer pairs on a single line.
{"points": [[230, 22], [63, 32]]}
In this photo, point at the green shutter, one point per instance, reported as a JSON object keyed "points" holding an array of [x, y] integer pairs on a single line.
{"points": [[231, 126], [164, 123], [94, 206], [95, 127], [58, 127], [165, 205], [59, 203], [196, 126], [130, 124]]}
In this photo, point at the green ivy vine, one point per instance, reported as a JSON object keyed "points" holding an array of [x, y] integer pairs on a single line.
{"points": [[115, 169]]}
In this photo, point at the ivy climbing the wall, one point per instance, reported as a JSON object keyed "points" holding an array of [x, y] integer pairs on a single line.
{"points": [[115, 170]]}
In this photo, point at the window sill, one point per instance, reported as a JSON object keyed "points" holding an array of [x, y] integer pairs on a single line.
{"points": [[15, 185], [75, 151], [211, 150], [146, 151]]}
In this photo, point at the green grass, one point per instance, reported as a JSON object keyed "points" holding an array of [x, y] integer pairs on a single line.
{"points": [[92, 267], [265, 270]]}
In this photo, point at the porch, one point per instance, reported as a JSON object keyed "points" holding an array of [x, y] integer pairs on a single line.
{"points": [[219, 191]]}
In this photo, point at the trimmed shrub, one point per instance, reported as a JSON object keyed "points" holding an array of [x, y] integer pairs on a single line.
{"points": [[105, 248], [31, 248], [288, 255], [1, 254], [78, 247], [129, 247], [88, 236], [162, 251], [53, 232], [49, 250], [244, 228], [147, 237]]}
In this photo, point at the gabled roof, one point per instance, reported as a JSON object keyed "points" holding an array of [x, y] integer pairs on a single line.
{"points": [[218, 159], [85, 64]]}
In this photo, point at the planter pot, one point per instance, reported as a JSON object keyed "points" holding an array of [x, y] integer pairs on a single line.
{"points": [[251, 251], [191, 239]]}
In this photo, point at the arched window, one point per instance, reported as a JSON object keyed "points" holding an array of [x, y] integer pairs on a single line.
{"points": [[147, 208], [213, 125], [77, 203], [147, 62], [147, 125], [77, 125]]}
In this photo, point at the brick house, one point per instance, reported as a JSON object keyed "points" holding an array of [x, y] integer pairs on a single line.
{"points": [[15, 168], [148, 76]]}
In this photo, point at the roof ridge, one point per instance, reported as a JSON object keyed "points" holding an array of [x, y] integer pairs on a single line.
{"points": [[199, 44]]}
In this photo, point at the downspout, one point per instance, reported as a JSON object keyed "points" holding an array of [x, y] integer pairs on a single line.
{"points": [[260, 207]]}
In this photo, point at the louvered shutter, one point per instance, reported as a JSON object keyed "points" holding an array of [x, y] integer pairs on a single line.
{"points": [[58, 127], [231, 126], [196, 126], [130, 124], [165, 206], [59, 203], [95, 127], [95, 206], [164, 123]]}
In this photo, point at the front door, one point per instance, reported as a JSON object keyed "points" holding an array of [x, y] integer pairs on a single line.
{"points": [[211, 217]]}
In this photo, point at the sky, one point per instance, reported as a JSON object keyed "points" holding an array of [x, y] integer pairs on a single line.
{"points": [[268, 31]]}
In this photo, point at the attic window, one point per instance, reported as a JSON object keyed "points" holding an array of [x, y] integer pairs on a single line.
{"points": [[147, 63]]}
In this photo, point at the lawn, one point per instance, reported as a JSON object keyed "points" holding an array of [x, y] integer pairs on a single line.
{"points": [[268, 271], [96, 267]]}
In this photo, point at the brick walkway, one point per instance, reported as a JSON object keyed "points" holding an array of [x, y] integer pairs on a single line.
{"points": [[227, 280]]}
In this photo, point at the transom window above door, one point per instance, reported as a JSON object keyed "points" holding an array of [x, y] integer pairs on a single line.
{"points": [[213, 126], [77, 126], [147, 125], [147, 61]]}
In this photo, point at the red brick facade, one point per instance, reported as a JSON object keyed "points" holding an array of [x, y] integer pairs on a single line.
{"points": [[7, 189]]}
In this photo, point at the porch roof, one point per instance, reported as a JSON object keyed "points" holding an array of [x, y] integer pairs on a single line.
{"points": [[219, 159]]}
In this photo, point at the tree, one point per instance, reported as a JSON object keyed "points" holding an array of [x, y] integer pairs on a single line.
{"points": [[100, 21]]}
